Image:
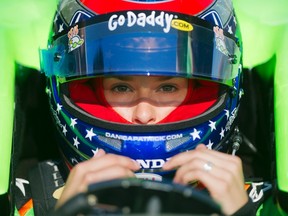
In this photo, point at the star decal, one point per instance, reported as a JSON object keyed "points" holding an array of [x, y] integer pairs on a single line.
{"points": [[95, 151], [235, 21], [61, 28], [64, 130], [230, 29], [74, 161], [59, 108], [73, 122], [195, 134], [212, 125], [90, 134], [222, 133], [76, 142], [56, 18], [210, 144]]}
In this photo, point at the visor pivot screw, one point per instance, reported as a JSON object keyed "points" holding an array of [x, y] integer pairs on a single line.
{"points": [[233, 92], [57, 57]]}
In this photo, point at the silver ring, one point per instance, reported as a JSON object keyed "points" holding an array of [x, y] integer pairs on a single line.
{"points": [[208, 166]]}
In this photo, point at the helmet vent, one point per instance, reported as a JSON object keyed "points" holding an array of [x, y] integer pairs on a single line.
{"points": [[172, 144], [115, 144]]}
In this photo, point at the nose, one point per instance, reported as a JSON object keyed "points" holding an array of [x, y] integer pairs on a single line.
{"points": [[144, 113]]}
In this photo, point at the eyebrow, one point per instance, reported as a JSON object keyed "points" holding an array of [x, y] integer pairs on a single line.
{"points": [[129, 78]]}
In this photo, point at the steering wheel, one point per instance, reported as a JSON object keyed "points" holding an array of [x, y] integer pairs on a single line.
{"points": [[139, 197]]}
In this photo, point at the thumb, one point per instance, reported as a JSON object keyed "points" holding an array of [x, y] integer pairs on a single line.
{"points": [[99, 153], [201, 147]]}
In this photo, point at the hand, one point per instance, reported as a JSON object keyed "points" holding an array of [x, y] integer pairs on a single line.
{"points": [[101, 167], [225, 181]]}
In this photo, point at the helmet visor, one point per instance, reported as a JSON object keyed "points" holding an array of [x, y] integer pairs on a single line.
{"points": [[143, 43]]}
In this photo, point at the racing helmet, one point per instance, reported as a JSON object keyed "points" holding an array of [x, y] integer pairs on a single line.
{"points": [[92, 39]]}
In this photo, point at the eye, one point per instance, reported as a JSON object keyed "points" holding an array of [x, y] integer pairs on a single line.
{"points": [[168, 88], [121, 88]]}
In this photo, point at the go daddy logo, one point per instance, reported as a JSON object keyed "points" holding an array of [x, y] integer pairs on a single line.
{"points": [[164, 20]]}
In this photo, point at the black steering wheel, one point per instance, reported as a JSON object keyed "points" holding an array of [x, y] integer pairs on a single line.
{"points": [[139, 197]]}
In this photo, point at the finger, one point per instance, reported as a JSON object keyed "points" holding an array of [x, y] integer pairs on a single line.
{"points": [[195, 160], [77, 184], [99, 153], [107, 160], [232, 165], [222, 188], [196, 168], [96, 164], [225, 161], [79, 175], [113, 172]]}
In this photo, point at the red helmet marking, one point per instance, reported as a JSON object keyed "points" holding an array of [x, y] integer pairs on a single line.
{"points": [[180, 6]]}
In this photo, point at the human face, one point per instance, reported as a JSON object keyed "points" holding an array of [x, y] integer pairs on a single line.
{"points": [[144, 99]]}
